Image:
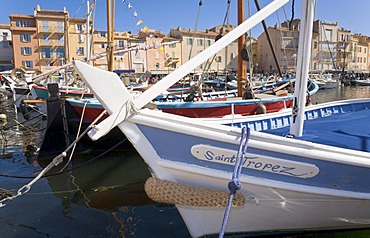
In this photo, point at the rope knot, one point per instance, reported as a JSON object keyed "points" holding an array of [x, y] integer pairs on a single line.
{"points": [[234, 185]]}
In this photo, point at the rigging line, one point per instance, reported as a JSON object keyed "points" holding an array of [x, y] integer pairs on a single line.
{"points": [[78, 134], [209, 62], [327, 42], [250, 47], [195, 27], [79, 8], [291, 20], [282, 41]]}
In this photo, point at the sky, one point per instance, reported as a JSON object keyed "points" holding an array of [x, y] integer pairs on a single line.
{"points": [[164, 15]]}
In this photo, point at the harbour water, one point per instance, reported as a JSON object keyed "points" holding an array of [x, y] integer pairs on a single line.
{"points": [[100, 193]]}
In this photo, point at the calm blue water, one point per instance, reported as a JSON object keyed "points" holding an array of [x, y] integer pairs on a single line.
{"points": [[96, 196]]}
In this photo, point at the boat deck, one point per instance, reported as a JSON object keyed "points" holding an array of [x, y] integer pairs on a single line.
{"points": [[344, 130]]}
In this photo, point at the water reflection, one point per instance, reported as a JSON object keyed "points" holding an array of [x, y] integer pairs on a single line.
{"points": [[340, 93]]}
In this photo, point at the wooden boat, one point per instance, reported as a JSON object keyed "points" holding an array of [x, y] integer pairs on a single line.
{"points": [[310, 182], [325, 81], [278, 179], [214, 105], [41, 92]]}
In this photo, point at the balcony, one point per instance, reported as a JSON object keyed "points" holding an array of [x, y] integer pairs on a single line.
{"points": [[50, 29]]}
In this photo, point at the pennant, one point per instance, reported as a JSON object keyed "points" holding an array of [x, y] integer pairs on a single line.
{"points": [[160, 49], [135, 14], [139, 22], [123, 1], [145, 28], [129, 6]]}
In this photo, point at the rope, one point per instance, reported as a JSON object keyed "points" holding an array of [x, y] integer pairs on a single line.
{"points": [[78, 134], [180, 194], [24, 189], [55, 162], [234, 185]]}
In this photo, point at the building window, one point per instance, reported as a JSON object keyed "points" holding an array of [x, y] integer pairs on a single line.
{"points": [[121, 43], [200, 42], [172, 45], [46, 39], [208, 42], [22, 23], [157, 65], [328, 35], [60, 26], [59, 53], [189, 41], [79, 27], [102, 46], [231, 56], [46, 53], [45, 25], [102, 34], [27, 64], [6, 44], [5, 34], [218, 59], [80, 51], [61, 40], [25, 37], [80, 38], [156, 55], [26, 50], [137, 55], [173, 54]]}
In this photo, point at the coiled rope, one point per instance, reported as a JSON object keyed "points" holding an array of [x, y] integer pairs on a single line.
{"points": [[234, 185]]}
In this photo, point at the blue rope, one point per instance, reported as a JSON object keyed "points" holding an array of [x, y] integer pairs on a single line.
{"points": [[234, 185]]}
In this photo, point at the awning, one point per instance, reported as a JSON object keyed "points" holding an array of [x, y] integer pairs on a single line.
{"points": [[124, 71], [155, 72]]}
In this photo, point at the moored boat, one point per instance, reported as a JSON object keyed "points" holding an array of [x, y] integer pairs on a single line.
{"points": [[288, 179]]}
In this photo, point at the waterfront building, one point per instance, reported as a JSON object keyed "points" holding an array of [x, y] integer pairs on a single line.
{"points": [[138, 58], [172, 53], [50, 38], [195, 41], [76, 40], [52, 30], [6, 48], [359, 53], [155, 58], [344, 53], [25, 42]]}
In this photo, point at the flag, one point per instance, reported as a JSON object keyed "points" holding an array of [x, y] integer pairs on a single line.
{"points": [[160, 49], [145, 28], [129, 6], [123, 1], [139, 22], [135, 14]]}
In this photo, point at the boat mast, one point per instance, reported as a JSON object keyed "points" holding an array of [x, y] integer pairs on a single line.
{"points": [[241, 41], [269, 40], [88, 32], [304, 54], [110, 30]]}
